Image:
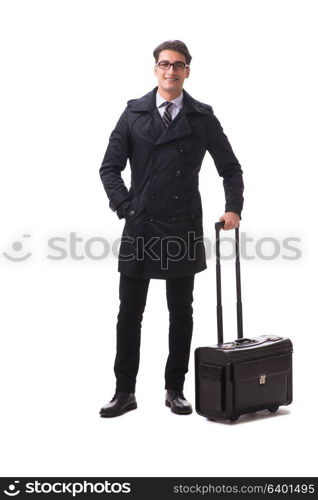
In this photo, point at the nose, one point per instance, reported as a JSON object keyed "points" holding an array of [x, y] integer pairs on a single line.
{"points": [[170, 71]]}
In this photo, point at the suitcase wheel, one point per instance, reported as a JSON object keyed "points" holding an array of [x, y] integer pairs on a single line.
{"points": [[233, 419], [273, 408]]}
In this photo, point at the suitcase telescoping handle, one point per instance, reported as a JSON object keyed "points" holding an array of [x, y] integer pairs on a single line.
{"points": [[218, 226]]}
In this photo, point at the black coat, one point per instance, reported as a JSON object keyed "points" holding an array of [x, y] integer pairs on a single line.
{"points": [[163, 234]]}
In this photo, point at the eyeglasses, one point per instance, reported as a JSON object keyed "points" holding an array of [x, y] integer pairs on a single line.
{"points": [[177, 66]]}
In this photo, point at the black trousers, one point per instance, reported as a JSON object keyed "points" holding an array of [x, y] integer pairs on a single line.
{"points": [[133, 296]]}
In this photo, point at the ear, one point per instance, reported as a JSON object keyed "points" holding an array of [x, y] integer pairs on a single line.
{"points": [[187, 72]]}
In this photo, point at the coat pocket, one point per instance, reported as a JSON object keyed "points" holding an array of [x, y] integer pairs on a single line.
{"points": [[132, 209]]}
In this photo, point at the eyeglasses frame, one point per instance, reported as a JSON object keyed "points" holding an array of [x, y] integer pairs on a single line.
{"points": [[172, 64]]}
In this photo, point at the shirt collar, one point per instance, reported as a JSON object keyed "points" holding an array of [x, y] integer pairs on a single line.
{"points": [[178, 101]]}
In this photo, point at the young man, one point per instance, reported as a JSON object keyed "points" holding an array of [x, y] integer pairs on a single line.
{"points": [[165, 135]]}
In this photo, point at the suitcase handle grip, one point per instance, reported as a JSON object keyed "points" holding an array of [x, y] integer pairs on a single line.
{"points": [[219, 225], [242, 341], [239, 316]]}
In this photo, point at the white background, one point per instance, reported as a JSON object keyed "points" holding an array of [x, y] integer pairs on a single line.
{"points": [[68, 68]]}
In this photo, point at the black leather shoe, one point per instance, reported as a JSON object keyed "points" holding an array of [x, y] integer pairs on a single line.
{"points": [[178, 403], [120, 404]]}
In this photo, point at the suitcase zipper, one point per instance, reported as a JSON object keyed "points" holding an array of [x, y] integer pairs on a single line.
{"points": [[268, 355]]}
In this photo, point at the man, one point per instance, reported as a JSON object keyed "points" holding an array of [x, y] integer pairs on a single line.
{"points": [[165, 135]]}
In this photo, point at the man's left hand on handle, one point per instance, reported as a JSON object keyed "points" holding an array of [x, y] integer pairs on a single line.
{"points": [[231, 220]]}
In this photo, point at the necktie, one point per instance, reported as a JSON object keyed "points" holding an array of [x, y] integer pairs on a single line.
{"points": [[166, 115]]}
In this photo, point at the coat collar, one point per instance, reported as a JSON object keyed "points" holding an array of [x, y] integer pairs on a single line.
{"points": [[180, 127], [147, 103]]}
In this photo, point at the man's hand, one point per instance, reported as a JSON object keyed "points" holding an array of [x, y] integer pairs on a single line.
{"points": [[231, 220]]}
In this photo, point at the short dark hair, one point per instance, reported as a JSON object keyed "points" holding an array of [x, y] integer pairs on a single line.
{"points": [[176, 45]]}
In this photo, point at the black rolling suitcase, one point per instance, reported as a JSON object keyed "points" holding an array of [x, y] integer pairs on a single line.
{"points": [[245, 375]]}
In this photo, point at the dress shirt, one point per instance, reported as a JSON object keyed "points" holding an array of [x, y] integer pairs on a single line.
{"points": [[174, 110]]}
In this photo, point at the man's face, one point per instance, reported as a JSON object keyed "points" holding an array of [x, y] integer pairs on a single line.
{"points": [[171, 80]]}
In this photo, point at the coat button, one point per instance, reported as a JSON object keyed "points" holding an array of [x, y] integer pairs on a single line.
{"points": [[131, 212], [180, 149], [175, 196], [178, 172], [150, 219], [153, 195]]}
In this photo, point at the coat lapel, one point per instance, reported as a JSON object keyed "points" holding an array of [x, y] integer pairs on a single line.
{"points": [[180, 127]]}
